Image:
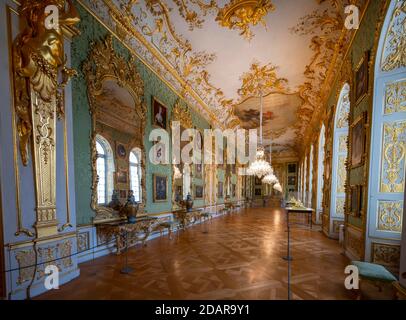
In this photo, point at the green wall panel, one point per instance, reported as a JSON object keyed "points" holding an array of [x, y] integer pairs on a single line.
{"points": [[92, 31]]}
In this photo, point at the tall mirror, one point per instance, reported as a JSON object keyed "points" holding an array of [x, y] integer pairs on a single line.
{"points": [[115, 93], [182, 173]]}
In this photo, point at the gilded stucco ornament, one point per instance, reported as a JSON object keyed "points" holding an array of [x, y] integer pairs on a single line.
{"points": [[38, 57], [38, 64], [241, 14], [104, 64], [394, 50], [261, 80]]}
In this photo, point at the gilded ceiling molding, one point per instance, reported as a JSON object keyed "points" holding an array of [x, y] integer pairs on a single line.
{"points": [[240, 14], [261, 80], [38, 58], [330, 43], [146, 29], [192, 17], [394, 49], [104, 64]]}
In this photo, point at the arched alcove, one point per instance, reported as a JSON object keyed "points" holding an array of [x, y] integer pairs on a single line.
{"points": [[388, 143], [320, 171], [339, 171]]}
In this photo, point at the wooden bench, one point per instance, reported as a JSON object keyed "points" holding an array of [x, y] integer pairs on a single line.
{"points": [[375, 273]]}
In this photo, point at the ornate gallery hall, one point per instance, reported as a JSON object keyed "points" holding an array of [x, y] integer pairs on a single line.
{"points": [[202, 150]]}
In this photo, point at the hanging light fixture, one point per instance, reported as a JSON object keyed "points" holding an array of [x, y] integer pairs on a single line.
{"points": [[270, 178], [277, 186], [260, 167]]}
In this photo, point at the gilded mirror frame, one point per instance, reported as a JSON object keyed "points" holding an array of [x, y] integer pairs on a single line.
{"points": [[104, 64], [182, 114]]}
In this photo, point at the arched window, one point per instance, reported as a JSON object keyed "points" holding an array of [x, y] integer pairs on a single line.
{"points": [[305, 180], [135, 173], [339, 174], [310, 196], [388, 140], [320, 171], [105, 170], [299, 183], [187, 181]]}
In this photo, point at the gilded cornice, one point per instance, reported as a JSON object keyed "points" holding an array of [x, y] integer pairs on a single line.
{"points": [[134, 40], [339, 50]]}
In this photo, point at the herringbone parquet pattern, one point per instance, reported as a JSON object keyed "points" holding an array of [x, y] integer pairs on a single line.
{"points": [[240, 257]]}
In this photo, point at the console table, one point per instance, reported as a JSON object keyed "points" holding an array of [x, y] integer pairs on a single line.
{"points": [[308, 211], [133, 232], [186, 218]]}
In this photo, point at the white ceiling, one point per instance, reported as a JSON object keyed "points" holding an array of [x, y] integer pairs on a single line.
{"points": [[224, 55]]}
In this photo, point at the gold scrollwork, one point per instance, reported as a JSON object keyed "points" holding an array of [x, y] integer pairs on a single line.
{"points": [[240, 14], [261, 79], [341, 174], [395, 97], [38, 58], [104, 64], [390, 215], [395, 41], [393, 157]]}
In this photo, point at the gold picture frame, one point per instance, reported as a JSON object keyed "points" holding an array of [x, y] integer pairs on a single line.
{"points": [[199, 192], [361, 78], [160, 181], [157, 105], [357, 141], [355, 200]]}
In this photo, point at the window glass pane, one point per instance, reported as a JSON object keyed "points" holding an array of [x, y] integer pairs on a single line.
{"points": [[99, 148], [101, 185], [133, 158], [135, 181]]}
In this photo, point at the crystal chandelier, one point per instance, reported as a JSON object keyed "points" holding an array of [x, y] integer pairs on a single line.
{"points": [[270, 178], [260, 167], [277, 186]]}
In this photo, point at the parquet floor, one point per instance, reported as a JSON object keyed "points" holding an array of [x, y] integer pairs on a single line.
{"points": [[237, 256]]}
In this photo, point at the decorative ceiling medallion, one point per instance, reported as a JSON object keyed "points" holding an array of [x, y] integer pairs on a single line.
{"points": [[261, 80], [240, 14]]}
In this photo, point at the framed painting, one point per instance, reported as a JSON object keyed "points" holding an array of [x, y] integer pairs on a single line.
{"points": [[354, 200], [357, 138], [198, 192], [122, 176], [178, 193], [159, 153], [258, 191], [198, 170], [160, 188], [220, 190], [159, 114], [361, 78], [121, 150]]}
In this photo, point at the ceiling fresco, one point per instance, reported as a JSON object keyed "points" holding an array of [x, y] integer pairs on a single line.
{"points": [[208, 50]]}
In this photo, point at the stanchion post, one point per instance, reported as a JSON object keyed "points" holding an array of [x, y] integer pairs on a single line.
{"points": [[288, 257], [127, 269]]}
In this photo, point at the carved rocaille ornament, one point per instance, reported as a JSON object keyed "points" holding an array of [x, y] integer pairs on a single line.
{"points": [[104, 64], [240, 14], [40, 75]]}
